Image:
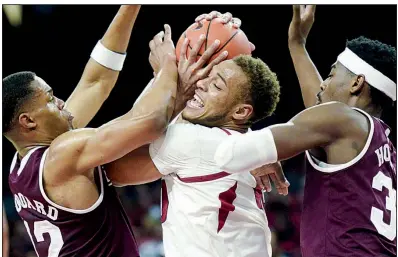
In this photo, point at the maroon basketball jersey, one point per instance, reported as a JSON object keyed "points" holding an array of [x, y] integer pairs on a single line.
{"points": [[350, 209], [101, 230]]}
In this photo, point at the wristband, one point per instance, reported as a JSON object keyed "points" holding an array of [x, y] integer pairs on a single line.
{"points": [[108, 58]]}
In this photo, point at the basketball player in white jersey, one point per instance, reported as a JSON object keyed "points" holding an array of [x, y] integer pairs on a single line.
{"points": [[207, 211]]}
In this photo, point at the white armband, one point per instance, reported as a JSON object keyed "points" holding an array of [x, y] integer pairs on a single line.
{"points": [[246, 152], [108, 58]]}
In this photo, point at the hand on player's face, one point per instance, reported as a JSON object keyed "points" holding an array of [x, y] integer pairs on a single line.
{"points": [[275, 173], [226, 17], [189, 71], [214, 102], [161, 48]]}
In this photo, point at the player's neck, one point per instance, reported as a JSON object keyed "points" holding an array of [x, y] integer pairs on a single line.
{"points": [[371, 110], [23, 146], [239, 128]]}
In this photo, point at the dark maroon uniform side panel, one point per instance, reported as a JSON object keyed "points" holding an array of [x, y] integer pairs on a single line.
{"points": [[351, 212], [101, 230]]}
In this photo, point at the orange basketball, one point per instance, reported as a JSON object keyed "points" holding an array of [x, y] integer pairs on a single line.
{"points": [[231, 39]]}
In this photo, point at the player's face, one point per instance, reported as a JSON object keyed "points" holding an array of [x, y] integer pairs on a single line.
{"points": [[336, 87], [215, 96], [49, 113]]}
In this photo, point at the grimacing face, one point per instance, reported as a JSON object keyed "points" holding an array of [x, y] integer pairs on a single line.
{"points": [[336, 87], [215, 96], [47, 111]]}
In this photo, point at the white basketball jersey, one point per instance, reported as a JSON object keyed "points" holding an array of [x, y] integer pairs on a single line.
{"points": [[207, 212]]}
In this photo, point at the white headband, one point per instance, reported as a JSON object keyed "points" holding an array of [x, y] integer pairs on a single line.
{"points": [[374, 77]]}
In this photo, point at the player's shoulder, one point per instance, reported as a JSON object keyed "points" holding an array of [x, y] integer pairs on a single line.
{"points": [[331, 107], [64, 150], [333, 112], [70, 140], [193, 130]]}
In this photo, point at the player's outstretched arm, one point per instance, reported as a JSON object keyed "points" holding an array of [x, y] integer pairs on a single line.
{"points": [[78, 151], [97, 80], [307, 73], [318, 126]]}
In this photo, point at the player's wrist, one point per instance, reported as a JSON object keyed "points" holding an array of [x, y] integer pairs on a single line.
{"points": [[296, 43]]}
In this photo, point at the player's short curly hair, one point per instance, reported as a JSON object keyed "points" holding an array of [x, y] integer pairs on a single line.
{"points": [[264, 89], [380, 56], [16, 90]]}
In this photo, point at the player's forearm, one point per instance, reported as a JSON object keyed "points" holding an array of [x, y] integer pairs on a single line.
{"points": [[158, 97], [307, 73], [115, 39], [313, 127], [97, 80], [118, 34]]}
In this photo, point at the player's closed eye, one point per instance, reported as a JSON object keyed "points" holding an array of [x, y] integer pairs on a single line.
{"points": [[216, 87]]}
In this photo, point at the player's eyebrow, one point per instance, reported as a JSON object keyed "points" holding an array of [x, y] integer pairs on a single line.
{"points": [[50, 91], [222, 78]]}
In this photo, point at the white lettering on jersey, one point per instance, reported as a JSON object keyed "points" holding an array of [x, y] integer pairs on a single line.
{"points": [[52, 213], [383, 154], [17, 203], [29, 203], [23, 202], [40, 207]]}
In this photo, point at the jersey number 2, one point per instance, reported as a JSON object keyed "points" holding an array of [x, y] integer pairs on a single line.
{"points": [[376, 215], [44, 226]]}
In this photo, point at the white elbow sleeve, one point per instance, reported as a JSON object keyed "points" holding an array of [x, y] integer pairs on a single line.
{"points": [[246, 152]]}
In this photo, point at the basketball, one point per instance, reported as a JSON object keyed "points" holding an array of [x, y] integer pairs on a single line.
{"points": [[231, 39]]}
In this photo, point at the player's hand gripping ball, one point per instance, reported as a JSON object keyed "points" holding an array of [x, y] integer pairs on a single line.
{"points": [[232, 39]]}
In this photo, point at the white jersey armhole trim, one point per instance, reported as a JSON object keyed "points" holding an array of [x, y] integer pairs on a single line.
{"points": [[43, 193], [23, 161], [14, 160], [353, 161]]}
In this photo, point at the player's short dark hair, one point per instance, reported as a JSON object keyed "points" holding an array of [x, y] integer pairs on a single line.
{"points": [[16, 90], [264, 89], [380, 56]]}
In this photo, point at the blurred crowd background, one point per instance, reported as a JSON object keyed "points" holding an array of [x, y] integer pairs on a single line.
{"points": [[55, 42]]}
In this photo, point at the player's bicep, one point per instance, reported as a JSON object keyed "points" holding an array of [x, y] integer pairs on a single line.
{"points": [[292, 139], [64, 155], [113, 141], [313, 127], [133, 169]]}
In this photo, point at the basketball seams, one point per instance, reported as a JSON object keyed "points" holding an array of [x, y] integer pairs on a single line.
{"points": [[189, 44], [226, 43], [207, 34]]}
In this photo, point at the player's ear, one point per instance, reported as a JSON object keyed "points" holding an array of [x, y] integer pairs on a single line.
{"points": [[242, 112], [357, 84], [27, 121]]}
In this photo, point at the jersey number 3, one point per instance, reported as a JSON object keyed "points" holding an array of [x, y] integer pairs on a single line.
{"points": [[376, 215], [42, 227]]}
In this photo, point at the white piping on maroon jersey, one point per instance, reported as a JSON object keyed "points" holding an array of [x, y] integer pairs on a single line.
{"points": [[23, 161], [43, 193], [339, 167]]}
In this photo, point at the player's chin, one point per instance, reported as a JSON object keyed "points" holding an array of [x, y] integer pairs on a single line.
{"points": [[192, 113]]}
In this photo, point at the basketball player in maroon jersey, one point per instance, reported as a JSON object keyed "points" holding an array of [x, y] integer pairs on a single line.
{"points": [[67, 204], [349, 206]]}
